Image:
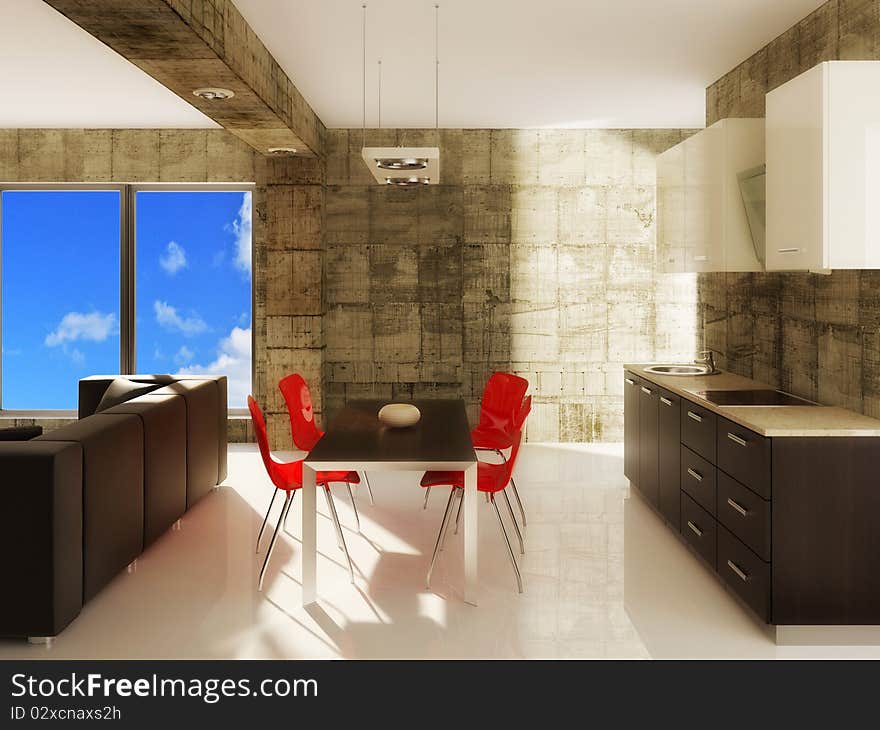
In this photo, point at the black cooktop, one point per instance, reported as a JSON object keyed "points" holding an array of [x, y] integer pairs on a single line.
{"points": [[752, 398]]}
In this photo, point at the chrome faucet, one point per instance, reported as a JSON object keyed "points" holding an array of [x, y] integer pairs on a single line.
{"points": [[707, 358]]}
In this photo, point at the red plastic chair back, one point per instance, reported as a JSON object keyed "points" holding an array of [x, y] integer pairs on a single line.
{"points": [[302, 416], [523, 413], [262, 438], [501, 400], [514, 453]]}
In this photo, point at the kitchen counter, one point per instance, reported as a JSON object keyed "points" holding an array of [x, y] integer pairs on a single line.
{"points": [[774, 421]]}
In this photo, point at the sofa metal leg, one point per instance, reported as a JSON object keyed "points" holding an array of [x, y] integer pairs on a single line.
{"points": [[41, 640], [132, 566]]}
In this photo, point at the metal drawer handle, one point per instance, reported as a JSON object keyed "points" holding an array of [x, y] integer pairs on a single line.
{"points": [[736, 569], [737, 439], [630, 381], [695, 474], [665, 401], [738, 507], [647, 391], [693, 415], [697, 531], [787, 250]]}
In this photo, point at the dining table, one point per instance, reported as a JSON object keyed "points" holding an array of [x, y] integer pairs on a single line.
{"points": [[355, 440]]}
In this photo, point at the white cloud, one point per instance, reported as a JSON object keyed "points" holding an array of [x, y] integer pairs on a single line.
{"points": [[234, 361], [167, 317], [174, 258], [184, 355], [77, 356], [94, 327], [242, 229]]}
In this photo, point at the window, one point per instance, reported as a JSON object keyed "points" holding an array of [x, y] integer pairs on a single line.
{"points": [[72, 259], [193, 285]]}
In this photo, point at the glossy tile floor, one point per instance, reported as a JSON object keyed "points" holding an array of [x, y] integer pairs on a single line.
{"points": [[603, 578]]}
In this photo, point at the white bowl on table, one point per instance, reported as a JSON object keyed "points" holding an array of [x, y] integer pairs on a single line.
{"points": [[399, 415]]}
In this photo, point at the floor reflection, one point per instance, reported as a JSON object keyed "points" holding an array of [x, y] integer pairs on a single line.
{"points": [[604, 578]]}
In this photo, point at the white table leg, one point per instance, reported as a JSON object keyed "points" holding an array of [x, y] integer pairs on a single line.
{"points": [[309, 537], [471, 541]]}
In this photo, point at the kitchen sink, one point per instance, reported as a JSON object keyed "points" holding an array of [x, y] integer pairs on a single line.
{"points": [[680, 370]]}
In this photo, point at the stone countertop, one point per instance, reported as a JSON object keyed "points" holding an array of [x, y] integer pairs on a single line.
{"points": [[771, 421]]}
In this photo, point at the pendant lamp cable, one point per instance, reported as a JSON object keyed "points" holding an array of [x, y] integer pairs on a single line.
{"points": [[364, 79], [437, 71]]}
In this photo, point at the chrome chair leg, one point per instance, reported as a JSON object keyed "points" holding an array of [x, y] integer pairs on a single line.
{"points": [[427, 494], [326, 491], [263, 526], [459, 493], [339, 532], [357, 519], [284, 509], [440, 536], [518, 501], [292, 495], [369, 488], [458, 514], [509, 547], [522, 547]]}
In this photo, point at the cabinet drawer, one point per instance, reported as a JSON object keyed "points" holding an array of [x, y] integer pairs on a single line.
{"points": [[698, 528], [698, 429], [745, 572], [745, 456], [745, 514], [698, 479]]}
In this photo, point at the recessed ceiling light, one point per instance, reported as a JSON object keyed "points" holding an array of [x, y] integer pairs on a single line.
{"points": [[213, 93], [282, 150], [402, 163], [406, 182]]}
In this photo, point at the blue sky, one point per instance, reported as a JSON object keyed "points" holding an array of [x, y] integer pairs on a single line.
{"points": [[60, 295]]}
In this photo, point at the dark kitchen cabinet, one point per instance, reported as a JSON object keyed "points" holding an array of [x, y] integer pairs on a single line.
{"points": [[649, 442], [631, 391], [670, 462], [789, 523]]}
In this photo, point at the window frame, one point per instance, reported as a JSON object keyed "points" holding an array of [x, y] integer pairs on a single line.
{"points": [[127, 270]]}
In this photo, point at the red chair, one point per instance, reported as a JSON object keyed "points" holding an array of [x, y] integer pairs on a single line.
{"points": [[303, 428], [491, 479], [287, 477], [502, 399]]}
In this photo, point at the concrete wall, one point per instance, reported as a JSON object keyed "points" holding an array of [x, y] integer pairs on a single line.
{"points": [[535, 255], [816, 336]]}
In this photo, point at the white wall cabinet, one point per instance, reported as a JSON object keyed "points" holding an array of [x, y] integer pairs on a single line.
{"points": [[823, 169], [701, 220]]}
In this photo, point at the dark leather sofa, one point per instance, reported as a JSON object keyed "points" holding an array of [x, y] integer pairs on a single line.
{"points": [[82, 502]]}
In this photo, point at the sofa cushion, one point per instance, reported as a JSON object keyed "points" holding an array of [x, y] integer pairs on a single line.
{"points": [[112, 493], [164, 422], [20, 433], [203, 436], [121, 390], [41, 545]]}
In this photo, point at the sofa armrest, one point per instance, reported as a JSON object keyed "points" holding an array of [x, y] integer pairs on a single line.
{"points": [[41, 547]]}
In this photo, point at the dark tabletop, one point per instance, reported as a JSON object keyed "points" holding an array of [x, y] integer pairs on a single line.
{"points": [[355, 435]]}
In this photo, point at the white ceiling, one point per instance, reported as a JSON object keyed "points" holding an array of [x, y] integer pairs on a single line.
{"points": [[504, 63], [513, 63], [54, 74]]}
